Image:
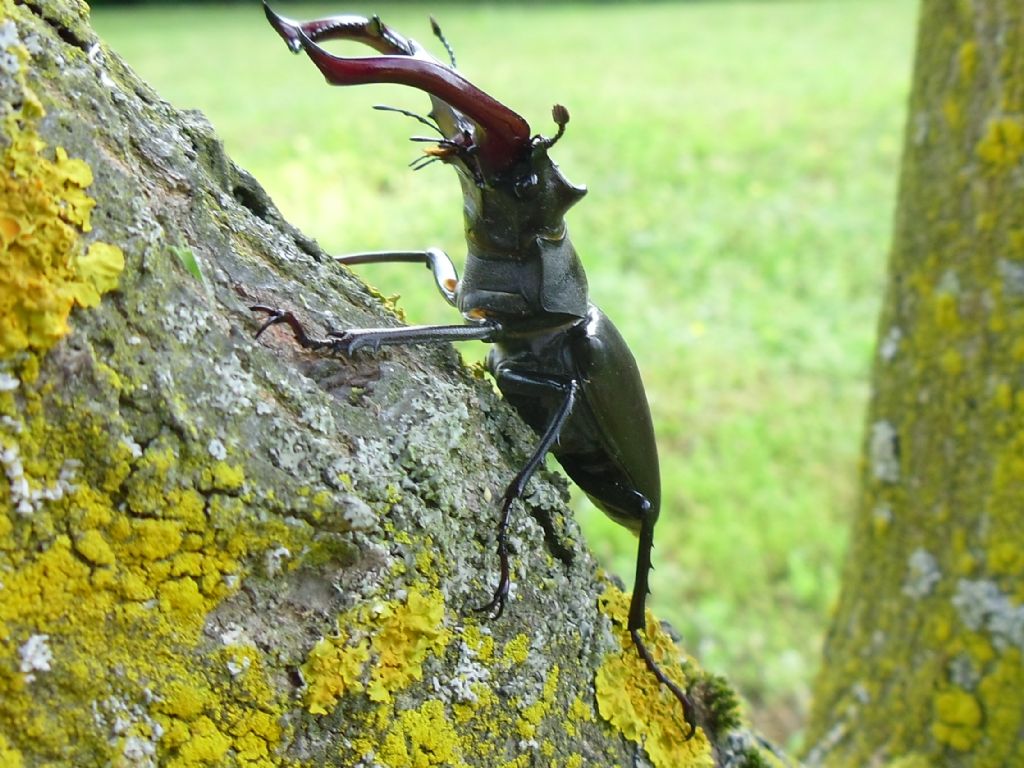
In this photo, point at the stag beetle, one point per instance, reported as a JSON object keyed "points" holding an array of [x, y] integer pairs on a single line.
{"points": [[556, 358]]}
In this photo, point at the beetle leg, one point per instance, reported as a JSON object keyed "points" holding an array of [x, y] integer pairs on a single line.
{"points": [[445, 275], [515, 489], [347, 342], [278, 316], [638, 620]]}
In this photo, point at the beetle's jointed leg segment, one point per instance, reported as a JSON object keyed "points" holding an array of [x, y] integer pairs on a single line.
{"points": [[515, 489], [347, 342], [638, 620], [436, 260]]}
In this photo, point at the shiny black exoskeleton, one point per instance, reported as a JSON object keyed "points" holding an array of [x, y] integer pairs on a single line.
{"points": [[556, 358]]}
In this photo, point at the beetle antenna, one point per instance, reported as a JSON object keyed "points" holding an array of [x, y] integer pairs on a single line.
{"points": [[423, 161], [561, 117], [419, 118], [436, 29]]}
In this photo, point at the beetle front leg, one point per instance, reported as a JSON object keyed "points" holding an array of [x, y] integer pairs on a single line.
{"points": [[515, 489], [347, 342], [278, 316]]}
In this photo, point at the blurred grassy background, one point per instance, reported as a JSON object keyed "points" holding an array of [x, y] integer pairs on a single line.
{"points": [[742, 159]]}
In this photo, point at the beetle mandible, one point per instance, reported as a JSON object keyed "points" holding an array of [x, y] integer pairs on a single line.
{"points": [[556, 357]]}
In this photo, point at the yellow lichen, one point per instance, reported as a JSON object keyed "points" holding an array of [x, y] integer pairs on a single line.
{"points": [[579, 712], [334, 669], [93, 547], [123, 601], [422, 738], [224, 476], [947, 316], [481, 644], [915, 760], [408, 632], [9, 757], [958, 715], [633, 701], [952, 112], [392, 640], [998, 692], [44, 210], [967, 58], [517, 649], [1002, 146], [532, 715], [477, 723]]}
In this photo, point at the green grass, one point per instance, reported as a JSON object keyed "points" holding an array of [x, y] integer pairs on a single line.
{"points": [[742, 159]]}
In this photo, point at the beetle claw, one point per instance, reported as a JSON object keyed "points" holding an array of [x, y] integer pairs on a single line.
{"points": [[680, 695], [496, 607], [276, 316]]}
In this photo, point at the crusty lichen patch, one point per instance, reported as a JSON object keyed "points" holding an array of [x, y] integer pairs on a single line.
{"points": [[112, 554], [45, 270], [378, 648], [376, 668], [633, 701], [117, 565]]}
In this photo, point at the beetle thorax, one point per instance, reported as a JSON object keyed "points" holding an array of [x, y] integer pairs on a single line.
{"points": [[520, 261]]}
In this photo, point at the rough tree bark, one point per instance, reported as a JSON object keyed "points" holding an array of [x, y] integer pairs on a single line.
{"points": [[924, 662], [217, 551]]}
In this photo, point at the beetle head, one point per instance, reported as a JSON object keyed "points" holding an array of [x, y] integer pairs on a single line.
{"points": [[515, 197]]}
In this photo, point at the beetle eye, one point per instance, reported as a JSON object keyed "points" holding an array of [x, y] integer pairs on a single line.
{"points": [[525, 186]]}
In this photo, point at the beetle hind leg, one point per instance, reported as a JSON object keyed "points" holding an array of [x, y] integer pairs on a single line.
{"points": [[638, 621]]}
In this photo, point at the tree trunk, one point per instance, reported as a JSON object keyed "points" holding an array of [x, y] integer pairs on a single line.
{"points": [[923, 665], [222, 551]]}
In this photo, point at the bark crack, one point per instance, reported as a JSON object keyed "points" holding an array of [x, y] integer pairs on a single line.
{"points": [[65, 34]]}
